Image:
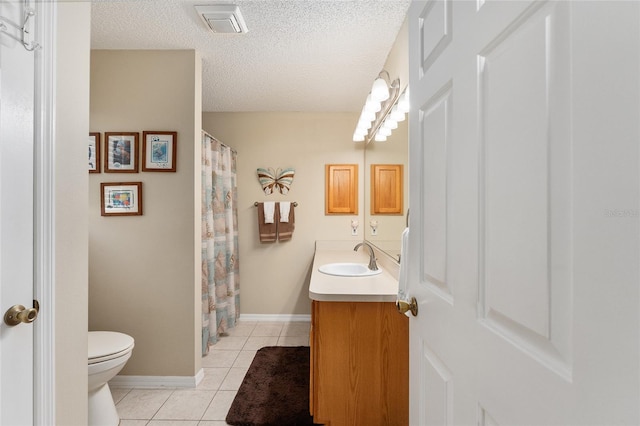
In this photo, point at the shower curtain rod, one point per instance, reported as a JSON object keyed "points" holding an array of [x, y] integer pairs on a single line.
{"points": [[221, 143], [232, 149]]}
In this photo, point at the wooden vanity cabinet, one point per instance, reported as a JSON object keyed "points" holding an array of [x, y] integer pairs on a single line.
{"points": [[359, 364]]}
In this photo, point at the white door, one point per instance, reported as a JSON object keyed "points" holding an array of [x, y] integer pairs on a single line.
{"points": [[16, 218], [524, 245]]}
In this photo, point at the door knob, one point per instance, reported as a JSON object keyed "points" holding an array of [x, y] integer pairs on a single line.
{"points": [[18, 314], [404, 306]]}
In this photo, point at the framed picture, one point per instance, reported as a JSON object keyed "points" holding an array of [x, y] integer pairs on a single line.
{"points": [[94, 153], [121, 198], [121, 152], [159, 151]]}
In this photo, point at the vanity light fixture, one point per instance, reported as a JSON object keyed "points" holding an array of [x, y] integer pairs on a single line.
{"points": [[384, 108]]}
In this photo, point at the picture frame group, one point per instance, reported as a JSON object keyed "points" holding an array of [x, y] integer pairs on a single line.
{"points": [[121, 152]]}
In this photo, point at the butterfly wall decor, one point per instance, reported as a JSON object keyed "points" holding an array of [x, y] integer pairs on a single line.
{"points": [[281, 179]]}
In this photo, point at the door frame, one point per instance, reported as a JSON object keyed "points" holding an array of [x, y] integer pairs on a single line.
{"points": [[44, 218]]}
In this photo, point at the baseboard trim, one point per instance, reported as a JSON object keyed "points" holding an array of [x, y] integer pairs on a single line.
{"points": [[275, 317], [150, 382]]}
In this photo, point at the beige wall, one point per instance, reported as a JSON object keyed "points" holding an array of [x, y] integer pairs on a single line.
{"points": [[142, 269], [71, 127], [274, 277]]}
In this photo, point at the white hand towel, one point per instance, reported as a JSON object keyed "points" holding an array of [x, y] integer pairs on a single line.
{"points": [[269, 210], [404, 265], [285, 207]]}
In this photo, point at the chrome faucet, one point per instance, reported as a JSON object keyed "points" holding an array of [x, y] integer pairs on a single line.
{"points": [[372, 257]]}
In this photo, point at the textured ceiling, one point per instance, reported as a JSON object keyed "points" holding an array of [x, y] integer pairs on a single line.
{"points": [[299, 55]]}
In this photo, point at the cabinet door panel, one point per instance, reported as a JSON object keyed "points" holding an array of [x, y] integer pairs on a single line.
{"points": [[386, 189], [360, 363], [341, 189]]}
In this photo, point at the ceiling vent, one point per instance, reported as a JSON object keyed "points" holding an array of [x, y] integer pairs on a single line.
{"points": [[222, 18]]}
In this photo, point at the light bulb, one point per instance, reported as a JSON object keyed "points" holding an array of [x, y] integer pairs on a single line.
{"points": [[390, 123], [396, 114], [383, 131], [371, 105], [379, 90], [367, 116], [364, 124], [361, 131], [358, 137], [380, 138]]}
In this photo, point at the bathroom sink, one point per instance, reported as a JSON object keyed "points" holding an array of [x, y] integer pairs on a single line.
{"points": [[348, 269]]}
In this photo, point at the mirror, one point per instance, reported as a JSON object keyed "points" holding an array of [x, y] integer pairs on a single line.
{"points": [[395, 150]]}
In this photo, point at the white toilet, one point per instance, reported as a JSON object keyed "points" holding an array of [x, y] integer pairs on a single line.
{"points": [[108, 353]]}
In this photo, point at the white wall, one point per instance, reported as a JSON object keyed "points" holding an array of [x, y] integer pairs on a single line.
{"points": [[71, 221]]}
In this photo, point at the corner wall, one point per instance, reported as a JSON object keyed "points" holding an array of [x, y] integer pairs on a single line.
{"points": [[274, 277], [142, 269], [73, 35]]}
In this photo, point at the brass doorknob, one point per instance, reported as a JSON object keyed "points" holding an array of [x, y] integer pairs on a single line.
{"points": [[404, 306], [19, 314]]}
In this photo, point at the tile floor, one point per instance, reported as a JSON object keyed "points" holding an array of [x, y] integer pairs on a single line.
{"points": [[224, 368]]}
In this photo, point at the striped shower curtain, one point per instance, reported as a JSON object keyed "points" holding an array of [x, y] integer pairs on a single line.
{"points": [[220, 273]]}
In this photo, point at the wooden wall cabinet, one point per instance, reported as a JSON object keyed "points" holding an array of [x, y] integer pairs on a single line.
{"points": [[359, 364], [341, 189], [386, 189]]}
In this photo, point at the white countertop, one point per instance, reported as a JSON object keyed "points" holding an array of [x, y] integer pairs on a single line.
{"points": [[330, 288]]}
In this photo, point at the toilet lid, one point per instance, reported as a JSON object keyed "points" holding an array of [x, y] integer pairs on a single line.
{"points": [[105, 345]]}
